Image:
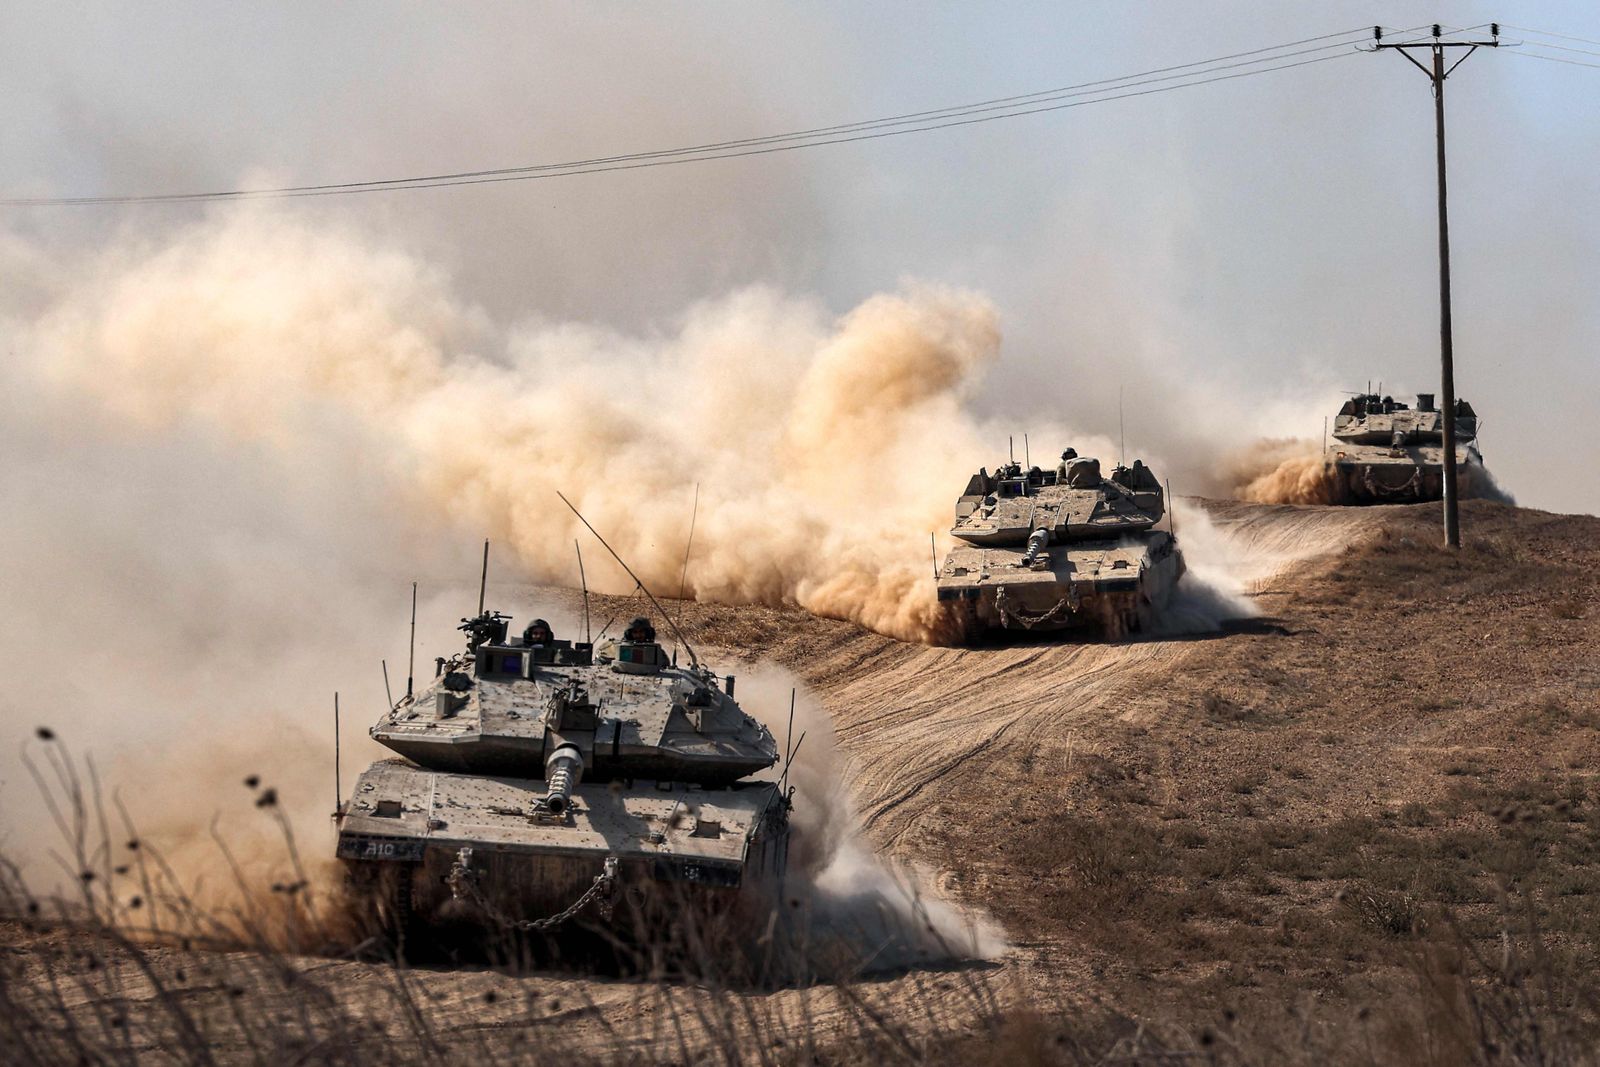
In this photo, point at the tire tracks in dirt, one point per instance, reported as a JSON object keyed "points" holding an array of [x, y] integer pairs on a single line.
{"points": [[923, 727]]}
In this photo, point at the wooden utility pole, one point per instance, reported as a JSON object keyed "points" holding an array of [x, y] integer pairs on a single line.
{"points": [[1437, 73]]}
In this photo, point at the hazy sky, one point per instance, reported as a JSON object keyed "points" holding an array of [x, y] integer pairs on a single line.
{"points": [[1231, 256]]}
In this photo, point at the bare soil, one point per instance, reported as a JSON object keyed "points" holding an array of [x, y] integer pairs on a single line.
{"points": [[1260, 828]]}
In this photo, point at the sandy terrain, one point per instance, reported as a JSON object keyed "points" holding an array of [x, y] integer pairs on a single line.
{"points": [[1193, 826]]}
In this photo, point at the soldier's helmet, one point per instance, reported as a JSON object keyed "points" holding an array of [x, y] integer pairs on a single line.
{"points": [[640, 630], [538, 630], [1071, 453]]}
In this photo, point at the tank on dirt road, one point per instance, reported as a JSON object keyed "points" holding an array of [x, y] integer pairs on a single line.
{"points": [[1387, 452], [597, 794], [1048, 551]]}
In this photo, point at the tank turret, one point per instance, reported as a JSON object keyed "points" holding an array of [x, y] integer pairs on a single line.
{"points": [[503, 705]]}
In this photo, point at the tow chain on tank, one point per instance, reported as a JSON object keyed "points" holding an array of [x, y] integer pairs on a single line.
{"points": [[1383, 490], [462, 886], [1007, 613]]}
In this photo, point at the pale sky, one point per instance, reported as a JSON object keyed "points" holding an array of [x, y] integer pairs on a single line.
{"points": [[1231, 256]]}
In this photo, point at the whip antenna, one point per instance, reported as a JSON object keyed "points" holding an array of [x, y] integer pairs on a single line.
{"points": [[483, 580], [338, 787], [788, 748], [683, 577], [693, 659], [588, 634], [411, 656]]}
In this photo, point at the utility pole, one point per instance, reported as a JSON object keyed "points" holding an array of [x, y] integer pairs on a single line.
{"points": [[1437, 73]]}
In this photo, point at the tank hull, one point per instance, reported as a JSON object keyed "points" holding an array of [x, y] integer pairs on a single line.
{"points": [[1364, 474], [636, 872], [1106, 589]]}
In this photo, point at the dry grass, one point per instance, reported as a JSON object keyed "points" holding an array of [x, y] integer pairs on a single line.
{"points": [[1374, 838]]}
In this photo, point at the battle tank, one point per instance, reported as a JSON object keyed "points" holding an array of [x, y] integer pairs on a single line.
{"points": [[1060, 550], [588, 793], [1385, 452]]}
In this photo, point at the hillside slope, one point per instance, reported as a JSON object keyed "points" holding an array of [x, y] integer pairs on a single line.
{"points": [[1192, 820], [1193, 829]]}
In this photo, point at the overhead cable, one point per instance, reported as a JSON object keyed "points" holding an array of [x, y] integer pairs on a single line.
{"points": [[1181, 76]]}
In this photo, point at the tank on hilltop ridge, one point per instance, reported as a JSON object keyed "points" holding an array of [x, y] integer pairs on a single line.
{"points": [[1386, 452], [1060, 550], [572, 791]]}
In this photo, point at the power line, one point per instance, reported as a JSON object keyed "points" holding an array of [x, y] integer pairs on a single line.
{"points": [[1547, 33], [1002, 100], [1553, 59], [914, 122], [1560, 48]]}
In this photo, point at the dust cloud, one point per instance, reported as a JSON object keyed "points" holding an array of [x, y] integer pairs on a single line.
{"points": [[1217, 576], [825, 450], [1282, 471], [238, 441], [860, 907], [232, 448]]}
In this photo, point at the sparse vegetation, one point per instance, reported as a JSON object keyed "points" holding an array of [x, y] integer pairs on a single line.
{"points": [[1373, 841]]}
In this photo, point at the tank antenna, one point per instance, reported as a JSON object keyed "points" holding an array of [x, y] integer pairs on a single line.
{"points": [[483, 579], [411, 658], [934, 549], [1172, 510], [1026, 460], [793, 752], [388, 695], [338, 786], [683, 576], [787, 739], [693, 659], [588, 634], [1011, 447]]}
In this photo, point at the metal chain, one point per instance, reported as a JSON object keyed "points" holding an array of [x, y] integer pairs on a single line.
{"points": [[1380, 490], [462, 884], [1008, 613]]}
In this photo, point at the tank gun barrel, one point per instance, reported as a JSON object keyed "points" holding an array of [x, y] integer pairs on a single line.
{"points": [[1036, 544], [562, 772]]}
